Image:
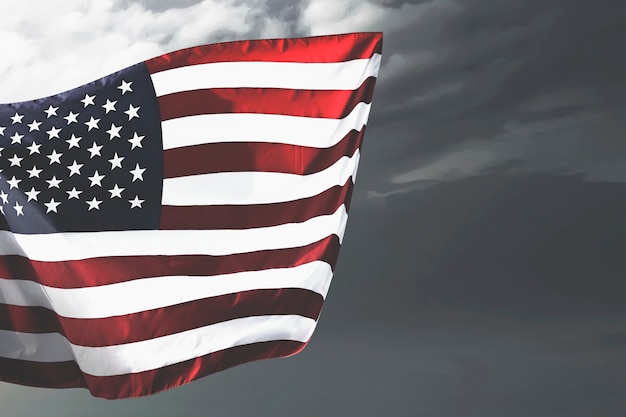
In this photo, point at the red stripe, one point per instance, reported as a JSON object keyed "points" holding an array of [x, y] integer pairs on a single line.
{"points": [[42, 374], [257, 215], [29, 319], [101, 271], [333, 48], [256, 156], [162, 321], [68, 375], [330, 104]]}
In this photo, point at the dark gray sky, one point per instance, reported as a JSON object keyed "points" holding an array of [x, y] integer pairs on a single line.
{"points": [[482, 272]]}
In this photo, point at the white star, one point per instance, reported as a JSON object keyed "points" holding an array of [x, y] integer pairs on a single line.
{"points": [[4, 196], [136, 202], [33, 148], [16, 138], [34, 172], [52, 111], [109, 105], [17, 118], [32, 194], [96, 179], [88, 100], [73, 142], [94, 150], [132, 112], [73, 193], [135, 141], [2, 209], [52, 205], [137, 173], [125, 87], [53, 133], [18, 209], [116, 191], [71, 118], [94, 204], [75, 168], [116, 162], [13, 182], [55, 157], [1, 149], [16, 160], [114, 131], [34, 125], [92, 124], [2, 130], [53, 182]]}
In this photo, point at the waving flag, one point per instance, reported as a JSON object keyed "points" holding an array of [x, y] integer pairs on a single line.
{"points": [[180, 216]]}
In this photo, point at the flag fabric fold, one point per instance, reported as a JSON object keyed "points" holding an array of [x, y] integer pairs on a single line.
{"points": [[180, 216]]}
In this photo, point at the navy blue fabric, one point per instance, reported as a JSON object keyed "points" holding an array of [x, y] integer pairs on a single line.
{"points": [[73, 214]]}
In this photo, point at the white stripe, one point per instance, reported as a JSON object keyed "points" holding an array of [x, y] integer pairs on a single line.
{"points": [[273, 128], [151, 293], [83, 245], [156, 353], [255, 187], [347, 75], [179, 347]]}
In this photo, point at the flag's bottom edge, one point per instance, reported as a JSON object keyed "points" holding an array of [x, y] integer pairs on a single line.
{"points": [[68, 374]]}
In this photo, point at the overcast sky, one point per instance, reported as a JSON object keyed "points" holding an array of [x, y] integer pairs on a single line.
{"points": [[482, 272]]}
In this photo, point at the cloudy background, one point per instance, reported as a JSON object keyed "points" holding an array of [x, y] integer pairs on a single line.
{"points": [[483, 268]]}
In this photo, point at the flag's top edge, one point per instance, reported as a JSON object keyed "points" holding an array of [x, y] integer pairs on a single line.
{"points": [[60, 96], [313, 49]]}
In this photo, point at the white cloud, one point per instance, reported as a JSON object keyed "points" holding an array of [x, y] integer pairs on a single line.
{"points": [[401, 65], [556, 100], [321, 17], [463, 162], [49, 47], [565, 149], [329, 16]]}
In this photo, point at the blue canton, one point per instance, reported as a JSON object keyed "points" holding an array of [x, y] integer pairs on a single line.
{"points": [[89, 159]]}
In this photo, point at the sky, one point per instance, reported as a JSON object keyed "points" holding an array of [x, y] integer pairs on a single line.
{"points": [[482, 271]]}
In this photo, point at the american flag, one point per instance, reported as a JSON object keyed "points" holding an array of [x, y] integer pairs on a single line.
{"points": [[180, 216]]}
